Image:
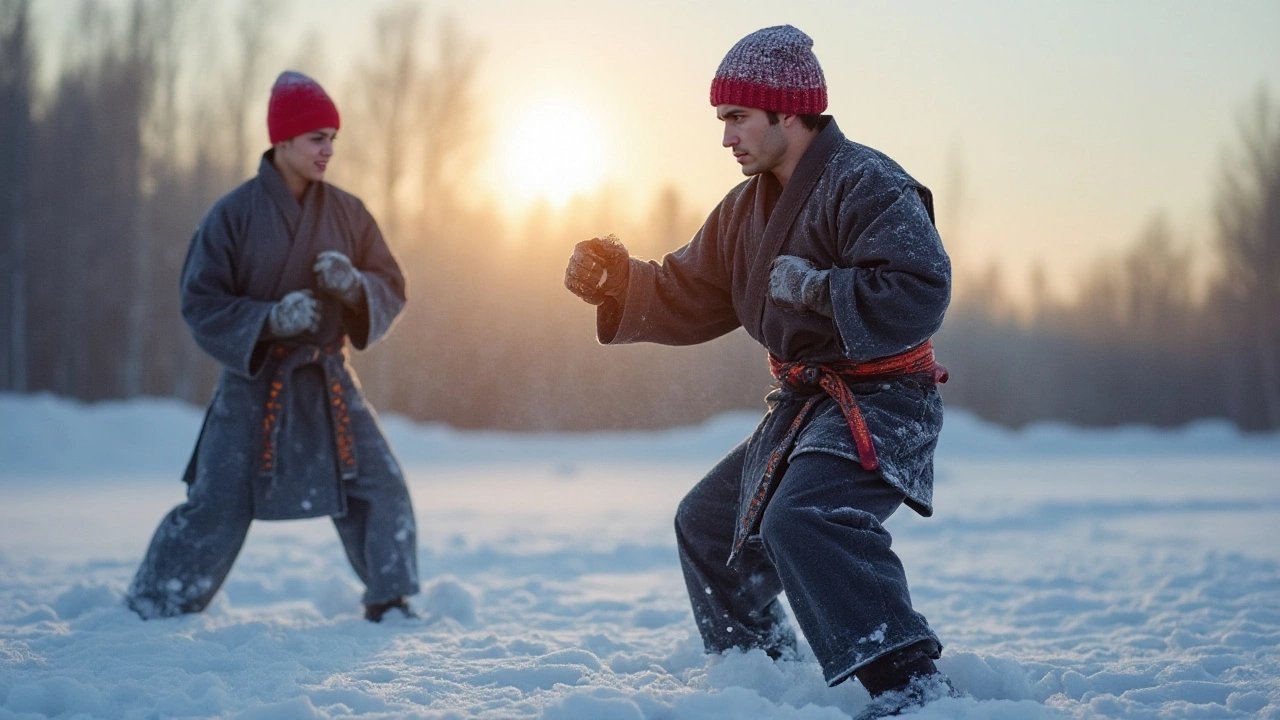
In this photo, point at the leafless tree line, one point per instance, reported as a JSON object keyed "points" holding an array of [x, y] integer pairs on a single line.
{"points": [[1138, 345], [101, 186]]}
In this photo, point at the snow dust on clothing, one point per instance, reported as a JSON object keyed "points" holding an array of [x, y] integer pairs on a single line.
{"points": [[288, 433], [855, 211]]}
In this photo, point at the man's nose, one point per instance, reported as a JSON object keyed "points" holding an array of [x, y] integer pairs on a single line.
{"points": [[730, 138]]}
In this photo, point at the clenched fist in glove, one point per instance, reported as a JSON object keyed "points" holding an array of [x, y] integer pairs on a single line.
{"points": [[598, 269], [338, 277], [796, 285], [296, 313]]}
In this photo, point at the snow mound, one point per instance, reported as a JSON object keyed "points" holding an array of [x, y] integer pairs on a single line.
{"points": [[57, 437]]}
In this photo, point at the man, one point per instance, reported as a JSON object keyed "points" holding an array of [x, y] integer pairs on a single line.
{"points": [[282, 274], [827, 255]]}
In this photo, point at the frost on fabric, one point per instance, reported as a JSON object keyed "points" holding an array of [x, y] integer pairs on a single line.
{"points": [[291, 77], [173, 597], [875, 637]]}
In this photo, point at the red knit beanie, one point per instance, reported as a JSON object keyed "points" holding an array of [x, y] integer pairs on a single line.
{"points": [[772, 69], [298, 105]]}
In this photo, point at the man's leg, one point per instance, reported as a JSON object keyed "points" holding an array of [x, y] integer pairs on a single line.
{"points": [[733, 607], [822, 530], [378, 532], [192, 551]]}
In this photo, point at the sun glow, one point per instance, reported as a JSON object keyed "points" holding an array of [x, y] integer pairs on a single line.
{"points": [[551, 152]]}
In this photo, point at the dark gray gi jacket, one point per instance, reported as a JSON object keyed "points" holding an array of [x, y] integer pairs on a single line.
{"points": [[849, 208], [257, 244]]}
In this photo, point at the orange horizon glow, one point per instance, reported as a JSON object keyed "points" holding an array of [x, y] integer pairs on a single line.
{"points": [[550, 150]]}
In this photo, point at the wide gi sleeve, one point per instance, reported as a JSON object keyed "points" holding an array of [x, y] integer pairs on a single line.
{"points": [[684, 300], [225, 323], [894, 283], [384, 285]]}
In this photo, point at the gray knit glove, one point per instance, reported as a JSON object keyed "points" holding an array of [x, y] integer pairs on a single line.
{"points": [[599, 269], [796, 285], [336, 276], [296, 313]]}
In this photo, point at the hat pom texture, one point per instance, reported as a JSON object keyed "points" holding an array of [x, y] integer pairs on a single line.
{"points": [[772, 69], [298, 105]]}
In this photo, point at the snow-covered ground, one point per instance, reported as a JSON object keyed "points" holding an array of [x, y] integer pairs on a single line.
{"points": [[1129, 573]]}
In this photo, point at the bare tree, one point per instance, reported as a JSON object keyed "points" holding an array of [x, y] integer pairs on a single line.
{"points": [[16, 134], [1158, 285], [1153, 345], [388, 84], [73, 144], [87, 199], [1248, 214], [451, 129], [153, 63], [671, 223], [952, 207], [252, 25]]}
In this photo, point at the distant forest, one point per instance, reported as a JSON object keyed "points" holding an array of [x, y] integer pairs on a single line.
{"points": [[105, 174]]}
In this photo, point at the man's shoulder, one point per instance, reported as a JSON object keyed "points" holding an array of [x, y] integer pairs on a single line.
{"points": [[342, 196], [872, 179], [741, 198], [744, 189], [236, 202], [348, 201], [867, 163]]}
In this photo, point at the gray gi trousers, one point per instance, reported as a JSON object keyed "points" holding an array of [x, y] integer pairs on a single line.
{"points": [[821, 541], [192, 551]]}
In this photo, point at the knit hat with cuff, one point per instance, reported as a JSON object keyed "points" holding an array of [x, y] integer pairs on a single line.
{"points": [[298, 105], [772, 69]]}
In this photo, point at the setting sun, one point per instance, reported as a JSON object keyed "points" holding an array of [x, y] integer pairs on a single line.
{"points": [[551, 152]]}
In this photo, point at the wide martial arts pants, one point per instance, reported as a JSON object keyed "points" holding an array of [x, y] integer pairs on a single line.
{"points": [[193, 549], [821, 541]]}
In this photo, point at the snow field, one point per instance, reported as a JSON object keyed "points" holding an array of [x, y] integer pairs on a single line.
{"points": [[1129, 573]]}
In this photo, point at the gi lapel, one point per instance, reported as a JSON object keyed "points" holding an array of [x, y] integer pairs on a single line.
{"points": [[302, 220], [279, 193], [304, 247], [799, 187]]}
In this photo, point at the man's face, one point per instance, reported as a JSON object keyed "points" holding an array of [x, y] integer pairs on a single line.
{"points": [[307, 155], [757, 146]]}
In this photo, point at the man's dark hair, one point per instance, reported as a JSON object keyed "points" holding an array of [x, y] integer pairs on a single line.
{"points": [[810, 121]]}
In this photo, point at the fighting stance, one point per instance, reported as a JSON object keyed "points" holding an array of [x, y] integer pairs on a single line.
{"points": [[827, 255], [282, 274]]}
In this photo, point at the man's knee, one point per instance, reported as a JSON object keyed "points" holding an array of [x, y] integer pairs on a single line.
{"points": [[686, 516], [209, 515], [790, 524], [785, 524]]}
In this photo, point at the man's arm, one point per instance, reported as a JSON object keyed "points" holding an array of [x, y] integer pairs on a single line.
{"points": [[894, 285], [374, 296], [231, 327], [683, 300]]}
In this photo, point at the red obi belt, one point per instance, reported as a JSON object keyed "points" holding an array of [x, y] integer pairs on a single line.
{"points": [[330, 360], [833, 380]]}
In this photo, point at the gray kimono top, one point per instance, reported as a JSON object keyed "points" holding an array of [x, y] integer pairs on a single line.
{"points": [[855, 211], [285, 412]]}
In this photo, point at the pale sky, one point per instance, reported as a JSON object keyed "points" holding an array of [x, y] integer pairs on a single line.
{"points": [[1071, 123]]}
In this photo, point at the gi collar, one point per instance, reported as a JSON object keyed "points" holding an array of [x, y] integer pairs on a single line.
{"points": [[797, 190]]}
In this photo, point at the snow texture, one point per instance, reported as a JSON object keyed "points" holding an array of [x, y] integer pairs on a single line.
{"points": [[1123, 573]]}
